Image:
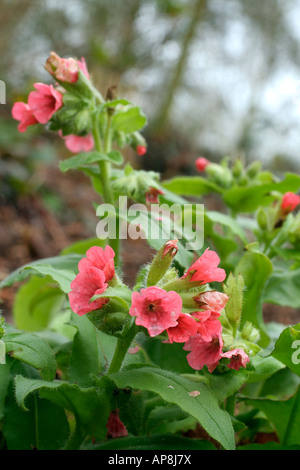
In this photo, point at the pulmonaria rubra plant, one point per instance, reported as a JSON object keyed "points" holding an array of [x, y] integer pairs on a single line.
{"points": [[185, 347]]}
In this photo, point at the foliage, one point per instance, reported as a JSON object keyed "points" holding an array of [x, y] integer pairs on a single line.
{"points": [[64, 374]]}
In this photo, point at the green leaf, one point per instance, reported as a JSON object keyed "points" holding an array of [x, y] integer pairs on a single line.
{"points": [[121, 293], [229, 222], [85, 362], [191, 186], [255, 268], [283, 288], [175, 389], [36, 303], [226, 384], [169, 419], [44, 427], [284, 414], [88, 158], [4, 383], [129, 120], [80, 247], [287, 348], [33, 350], [67, 262], [264, 367], [61, 276], [155, 442], [91, 406]]}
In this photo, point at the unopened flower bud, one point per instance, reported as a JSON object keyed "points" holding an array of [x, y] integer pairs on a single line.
{"points": [[161, 262], [234, 289], [253, 169], [220, 174], [201, 163], [141, 150], [237, 168], [289, 202], [82, 122], [262, 218], [249, 332]]}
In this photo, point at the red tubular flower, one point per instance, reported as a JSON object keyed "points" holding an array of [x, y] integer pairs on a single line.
{"points": [[185, 328], [204, 352], [44, 102], [152, 195], [289, 202], [201, 163], [238, 358], [205, 269], [208, 324], [100, 258], [115, 427], [23, 113], [79, 143], [86, 284], [156, 309]]}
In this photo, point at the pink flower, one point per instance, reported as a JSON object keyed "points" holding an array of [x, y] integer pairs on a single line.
{"points": [[238, 358], [23, 113], [185, 328], [141, 150], [212, 300], [208, 324], [85, 285], [115, 427], [204, 352], [44, 102], [77, 143], [100, 258], [65, 70], [201, 163], [152, 195], [289, 202], [205, 269], [155, 309]]}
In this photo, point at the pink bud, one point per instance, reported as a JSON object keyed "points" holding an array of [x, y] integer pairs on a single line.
{"points": [[289, 202], [171, 248], [201, 163], [65, 70], [141, 150]]}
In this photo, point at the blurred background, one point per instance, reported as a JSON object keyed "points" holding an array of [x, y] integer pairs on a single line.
{"points": [[214, 78]]}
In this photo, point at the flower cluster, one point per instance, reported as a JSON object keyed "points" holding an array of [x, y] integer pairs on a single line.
{"points": [[180, 314], [160, 310], [47, 100]]}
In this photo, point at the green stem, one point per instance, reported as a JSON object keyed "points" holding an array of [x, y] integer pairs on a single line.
{"points": [[76, 438], [121, 350], [104, 166]]}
